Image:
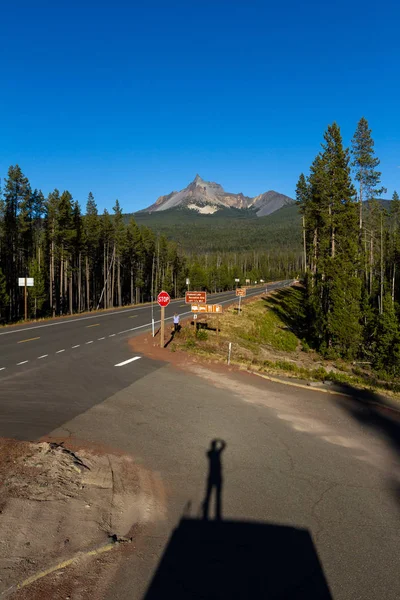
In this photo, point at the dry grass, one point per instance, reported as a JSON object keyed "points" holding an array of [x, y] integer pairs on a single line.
{"points": [[267, 337]]}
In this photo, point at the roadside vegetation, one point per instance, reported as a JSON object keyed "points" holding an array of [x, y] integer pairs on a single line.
{"points": [[271, 335]]}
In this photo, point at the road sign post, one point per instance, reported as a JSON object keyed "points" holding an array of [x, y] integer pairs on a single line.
{"points": [[25, 282], [163, 300], [240, 292], [162, 327], [26, 301]]}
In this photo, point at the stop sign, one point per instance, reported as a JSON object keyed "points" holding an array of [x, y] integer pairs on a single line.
{"points": [[163, 299]]}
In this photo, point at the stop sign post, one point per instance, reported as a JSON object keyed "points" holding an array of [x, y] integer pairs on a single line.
{"points": [[163, 300]]}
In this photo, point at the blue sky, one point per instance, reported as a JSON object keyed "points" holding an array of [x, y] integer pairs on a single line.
{"points": [[131, 99]]}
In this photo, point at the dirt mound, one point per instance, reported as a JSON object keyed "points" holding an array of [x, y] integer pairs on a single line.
{"points": [[57, 504]]}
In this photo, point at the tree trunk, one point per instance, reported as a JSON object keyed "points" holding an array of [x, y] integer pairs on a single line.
{"points": [[132, 298], [80, 282], [304, 244], [382, 271], [393, 280], [62, 282], [105, 276], [371, 263], [71, 307], [87, 283], [119, 282], [113, 278]]}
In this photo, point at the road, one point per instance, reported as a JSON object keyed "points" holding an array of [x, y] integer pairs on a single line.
{"points": [[22, 345], [309, 481]]}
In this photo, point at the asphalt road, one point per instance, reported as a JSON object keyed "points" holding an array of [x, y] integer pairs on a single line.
{"points": [[22, 345], [309, 489], [309, 482]]}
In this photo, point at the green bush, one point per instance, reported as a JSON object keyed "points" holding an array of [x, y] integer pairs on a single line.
{"points": [[202, 335], [190, 344]]}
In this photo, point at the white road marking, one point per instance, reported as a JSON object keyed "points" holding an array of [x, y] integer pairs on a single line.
{"points": [[22, 363], [59, 351], [112, 335], [2, 368], [126, 362], [43, 356], [77, 346], [91, 342], [103, 338]]}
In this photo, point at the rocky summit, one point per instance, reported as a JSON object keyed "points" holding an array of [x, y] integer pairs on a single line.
{"points": [[207, 197]]}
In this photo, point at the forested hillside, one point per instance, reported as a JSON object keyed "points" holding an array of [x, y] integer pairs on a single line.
{"points": [[88, 261], [224, 232]]}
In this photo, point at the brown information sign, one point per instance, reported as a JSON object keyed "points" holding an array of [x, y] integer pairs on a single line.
{"points": [[240, 291], [207, 308], [196, 297]]}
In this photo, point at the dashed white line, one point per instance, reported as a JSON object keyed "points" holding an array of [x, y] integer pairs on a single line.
{"points": [[112, 335], [43, 356], [59, 351], [22, 362], [103, 338], [77, 346], [91, 342], [126, 362], [2, 368]]}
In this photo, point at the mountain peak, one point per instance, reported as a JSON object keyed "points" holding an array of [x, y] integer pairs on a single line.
{"points": [[208, 197]]}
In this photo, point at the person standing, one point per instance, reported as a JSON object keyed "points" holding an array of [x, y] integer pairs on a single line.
{"points": [[176, 323]]}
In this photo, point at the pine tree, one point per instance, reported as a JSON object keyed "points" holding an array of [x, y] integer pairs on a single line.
{"points": [[91, 236], [364, 164], [51, 232], [302, 198], [335, 293], [17, 194], [386, 356], [119, 243]]}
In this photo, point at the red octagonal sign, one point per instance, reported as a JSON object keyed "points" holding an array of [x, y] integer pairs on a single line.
{"points": [[163, 298]]}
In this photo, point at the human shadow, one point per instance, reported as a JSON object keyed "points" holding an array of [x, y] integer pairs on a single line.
{"points": [[236, 560], [214, 479]]}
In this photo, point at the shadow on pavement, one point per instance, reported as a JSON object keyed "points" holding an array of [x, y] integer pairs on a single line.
{"points": [[238, 559], [377, 414], [214, 479], [217, 559]]}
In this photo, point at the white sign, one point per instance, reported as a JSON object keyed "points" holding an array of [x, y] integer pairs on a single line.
{"points": [[187, 281], [237, 280], [29, 281], [195, 316]]}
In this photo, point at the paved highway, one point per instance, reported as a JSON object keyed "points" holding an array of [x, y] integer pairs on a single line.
{"points": [[23, 344]]}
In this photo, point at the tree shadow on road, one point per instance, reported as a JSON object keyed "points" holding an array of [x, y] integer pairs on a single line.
{"points": [[377, 414], [229, 559]]}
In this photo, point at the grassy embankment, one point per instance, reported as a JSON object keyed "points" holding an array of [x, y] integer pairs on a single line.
{"points": [[269, 337]]}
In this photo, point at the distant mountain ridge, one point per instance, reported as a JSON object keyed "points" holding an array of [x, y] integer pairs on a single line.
{"points": [[207, 197]]}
